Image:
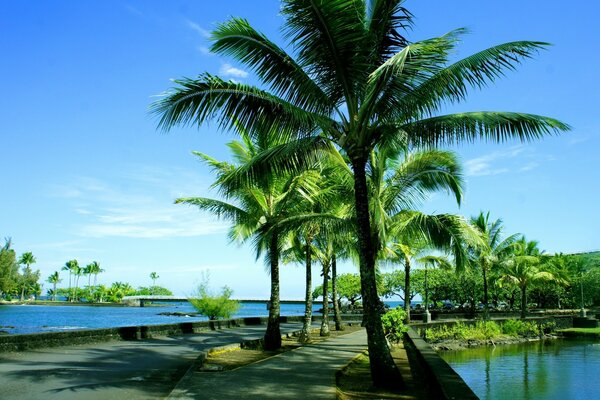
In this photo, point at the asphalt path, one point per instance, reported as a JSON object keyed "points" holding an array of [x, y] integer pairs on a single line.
{"points": [[144, 369]]}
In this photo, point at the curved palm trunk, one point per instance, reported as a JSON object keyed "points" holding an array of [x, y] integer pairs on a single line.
{"points": [[486, 309], [407, 288], [336, 304], [305, 335], [384, 371], [273, 333], [325, 321], [523, 302], [53, 291]]}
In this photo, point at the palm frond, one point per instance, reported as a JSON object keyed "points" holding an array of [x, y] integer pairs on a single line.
{"points": [[286, 79], [385, 21], [485, 125], [327, 35], [194, 101], [476, 70]]}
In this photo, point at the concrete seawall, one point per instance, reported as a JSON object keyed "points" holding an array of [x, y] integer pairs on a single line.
{"points": [[24, 342]]}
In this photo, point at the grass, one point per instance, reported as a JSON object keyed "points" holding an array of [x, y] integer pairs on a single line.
{"points": [[581, 332]]}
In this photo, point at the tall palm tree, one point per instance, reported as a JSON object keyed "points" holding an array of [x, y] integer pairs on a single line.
{"points": [[358, 83], [154, 276], [74, 270], [256, 211], [523, 269], [54, 280], [493, 250]]}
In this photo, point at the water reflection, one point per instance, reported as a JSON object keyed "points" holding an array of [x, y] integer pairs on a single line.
{"points": [[556, 369]]}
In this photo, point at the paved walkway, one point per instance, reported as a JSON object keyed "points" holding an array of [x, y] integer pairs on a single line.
{"points": [[304, 373], [145, 369]]}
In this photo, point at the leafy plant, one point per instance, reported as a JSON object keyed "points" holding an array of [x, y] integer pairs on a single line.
{"points": [[393, 324], [214, 306]]}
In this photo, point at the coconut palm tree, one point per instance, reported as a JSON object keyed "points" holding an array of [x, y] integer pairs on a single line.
{"points": [[523, 269], [74, 270], [256, 211], [154, 276], [358, 83], [492, 252], [54, 280]]}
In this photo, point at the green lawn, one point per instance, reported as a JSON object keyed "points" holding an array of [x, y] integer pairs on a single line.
{"points": [[571, 332]]}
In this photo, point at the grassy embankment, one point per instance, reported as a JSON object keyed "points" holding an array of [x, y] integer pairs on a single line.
{"points": [[581, 332]]}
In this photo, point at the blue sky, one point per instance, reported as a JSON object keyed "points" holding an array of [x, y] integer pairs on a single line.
{"points": [[86, 175]]}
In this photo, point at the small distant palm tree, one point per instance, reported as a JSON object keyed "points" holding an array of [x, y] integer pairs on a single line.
{"points": [[493, 250], [154, 276], [54, 280], [523, 269], [74, 270], [92, 268]]}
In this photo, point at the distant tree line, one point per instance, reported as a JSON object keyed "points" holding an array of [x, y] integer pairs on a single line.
{"points": [[19, 281]]}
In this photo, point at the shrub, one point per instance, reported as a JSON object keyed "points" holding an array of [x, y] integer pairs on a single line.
{"points": [[514, 327], [393, 324], [214, 306]]}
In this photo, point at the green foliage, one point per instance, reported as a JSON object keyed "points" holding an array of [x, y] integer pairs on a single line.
{"points": [[393, 324], [153, 290], [9, 271], [214, 306], [520, 328], [348, 287], [482, 330]]}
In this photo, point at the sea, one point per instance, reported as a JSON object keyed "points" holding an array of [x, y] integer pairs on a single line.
{"points": [[21, 319]]}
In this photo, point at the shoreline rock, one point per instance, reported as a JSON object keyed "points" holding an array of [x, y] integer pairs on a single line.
{"points": [[455, 345]]}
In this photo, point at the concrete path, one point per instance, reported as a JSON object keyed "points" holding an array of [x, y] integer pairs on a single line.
{"points": [[304, 373], [145, 369]]}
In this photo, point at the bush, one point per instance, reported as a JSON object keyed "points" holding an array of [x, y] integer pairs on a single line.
{"points": [[459, 331], [393, 324], [514, 327], [214, 306]]}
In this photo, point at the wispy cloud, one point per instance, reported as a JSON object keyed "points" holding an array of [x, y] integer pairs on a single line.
{"points": [[139, 204], [228, 70], [197, 28], [205, 51], [502, 161]]}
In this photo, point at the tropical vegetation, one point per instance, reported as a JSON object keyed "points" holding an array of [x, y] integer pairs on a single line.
{"points": [[356, 83]]}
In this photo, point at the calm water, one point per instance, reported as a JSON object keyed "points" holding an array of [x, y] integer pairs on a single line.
{"points": [[556, 369], [30, 319]]}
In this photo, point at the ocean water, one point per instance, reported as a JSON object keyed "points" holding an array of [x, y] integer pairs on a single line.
{"points": [[40, 318]]}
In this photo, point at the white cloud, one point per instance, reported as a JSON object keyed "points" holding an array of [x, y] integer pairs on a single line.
{"points": [[205, 51], [529, 166], [139, 204], [230, 71], [487, 164], [198, 29]]}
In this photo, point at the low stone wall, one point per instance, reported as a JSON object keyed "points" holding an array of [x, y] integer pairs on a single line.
{"points": [[560, 322], [443, 382], [23, 342]]}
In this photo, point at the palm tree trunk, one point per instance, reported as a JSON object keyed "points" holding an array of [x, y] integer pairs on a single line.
{"points": [[325, 321], [486, 310], [407, 289], [273, 333], [305, 335], [54, 291], [523, 302], [334, 294], [384, 371]]}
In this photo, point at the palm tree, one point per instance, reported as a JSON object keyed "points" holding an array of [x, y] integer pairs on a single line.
{"points": [[154, 276], [256, 211], [493, 251], [359, 84], [54, 280], [523, 269], [26, 259], [74, 270]]}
